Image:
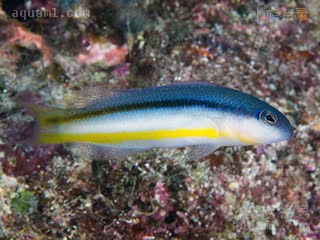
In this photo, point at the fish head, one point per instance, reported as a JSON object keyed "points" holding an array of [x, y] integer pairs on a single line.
{"points": [[264, 125], [273, 125]]}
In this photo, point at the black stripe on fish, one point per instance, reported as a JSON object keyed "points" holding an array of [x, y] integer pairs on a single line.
{"points": [[167, 103]]}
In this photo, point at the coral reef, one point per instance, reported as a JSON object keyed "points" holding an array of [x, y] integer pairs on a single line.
{"points": [[263, 48]]}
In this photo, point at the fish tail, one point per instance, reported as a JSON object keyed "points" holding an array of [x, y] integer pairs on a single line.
{"points": [[45, 127]]}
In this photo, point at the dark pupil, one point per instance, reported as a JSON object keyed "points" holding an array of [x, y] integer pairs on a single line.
{"points": [[270, 118]]}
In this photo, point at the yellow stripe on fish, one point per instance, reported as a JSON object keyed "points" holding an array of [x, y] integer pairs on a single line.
{"points": [[119, 137], [156, 135]]}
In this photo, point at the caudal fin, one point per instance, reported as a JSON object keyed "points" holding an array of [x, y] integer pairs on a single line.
{"points": [[43, 115]]}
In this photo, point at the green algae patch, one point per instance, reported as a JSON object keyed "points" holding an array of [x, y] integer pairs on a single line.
{"points": [[24, 203]]}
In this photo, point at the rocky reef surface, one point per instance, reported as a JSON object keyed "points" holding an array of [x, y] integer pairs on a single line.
{"points": [[269, 49]]}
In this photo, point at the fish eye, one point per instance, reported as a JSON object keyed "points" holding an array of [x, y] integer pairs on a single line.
{"points": [[268, 117]]}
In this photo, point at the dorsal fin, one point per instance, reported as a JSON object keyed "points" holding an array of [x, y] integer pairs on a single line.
{"points": [[90, 95], [86, 96]]}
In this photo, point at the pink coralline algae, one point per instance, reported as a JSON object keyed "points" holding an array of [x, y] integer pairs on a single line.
{"points": [[161, 194], [122, 71], [25, 161], [107, 53], [14, 37], [23, 37]]}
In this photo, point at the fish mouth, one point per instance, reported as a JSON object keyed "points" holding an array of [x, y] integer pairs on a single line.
{"points": [[289, 132]]}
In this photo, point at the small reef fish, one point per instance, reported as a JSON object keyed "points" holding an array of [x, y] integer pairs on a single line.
{"points": [[199, 115]]}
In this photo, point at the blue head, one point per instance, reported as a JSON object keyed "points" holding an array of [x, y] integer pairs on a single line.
{"points": [[262, 123], [251, 120]]}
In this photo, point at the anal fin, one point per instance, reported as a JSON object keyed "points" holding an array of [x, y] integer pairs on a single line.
{"points": [[198, 152], [99, 152]]}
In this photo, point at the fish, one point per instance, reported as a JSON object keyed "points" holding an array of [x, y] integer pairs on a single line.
{"points": [[199, 115]]}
